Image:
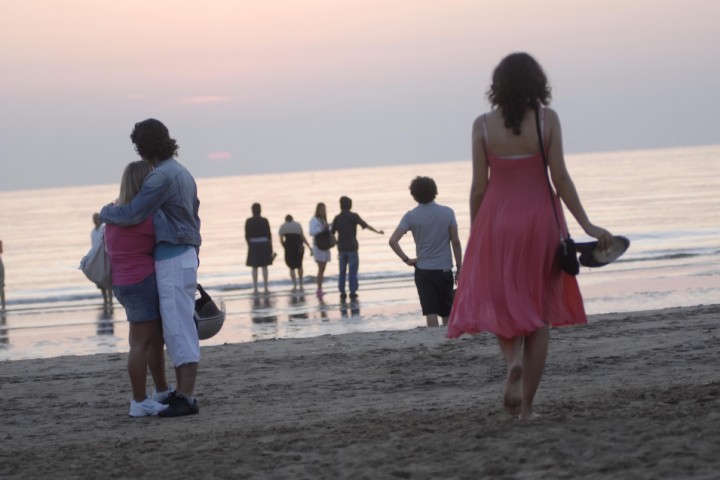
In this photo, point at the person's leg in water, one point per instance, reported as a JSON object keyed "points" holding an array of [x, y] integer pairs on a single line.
{"points": [[293, 278], [320, 277], [255, 279], [533, 364], [265, 277], [300, 278], [512, 352], [343, 262], [107, 296], [353, 260]]}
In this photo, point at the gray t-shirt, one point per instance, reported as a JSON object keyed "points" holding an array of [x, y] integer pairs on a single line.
{"points": [[430, 226]]}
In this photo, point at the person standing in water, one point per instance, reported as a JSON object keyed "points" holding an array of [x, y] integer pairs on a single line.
{"points": [[319, 224], [345, 225], [260, 251], [293, 241], [96, 235]]}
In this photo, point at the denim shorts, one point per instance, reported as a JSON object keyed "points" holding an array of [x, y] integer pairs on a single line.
{"points": [[140, 300]]}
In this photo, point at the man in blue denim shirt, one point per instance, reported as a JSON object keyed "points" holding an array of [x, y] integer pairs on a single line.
{"points": [[169, 193]]}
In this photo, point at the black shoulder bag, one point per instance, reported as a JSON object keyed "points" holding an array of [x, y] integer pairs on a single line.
{"points": [[567, 252]]}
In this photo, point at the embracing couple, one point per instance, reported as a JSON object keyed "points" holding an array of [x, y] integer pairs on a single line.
{"points": [[153, 238]]}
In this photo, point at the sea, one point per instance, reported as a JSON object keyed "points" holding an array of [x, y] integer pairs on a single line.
{"points": [[664, 200]]}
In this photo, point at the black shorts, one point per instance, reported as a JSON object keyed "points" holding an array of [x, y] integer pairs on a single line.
{"points": [[435, 289]]}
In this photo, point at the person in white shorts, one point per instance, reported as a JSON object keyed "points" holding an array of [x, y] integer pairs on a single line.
{"points": [[319, 224]]}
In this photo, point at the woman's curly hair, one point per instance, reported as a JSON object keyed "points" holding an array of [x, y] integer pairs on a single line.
{"points": [[518, 83], [152, 140]]}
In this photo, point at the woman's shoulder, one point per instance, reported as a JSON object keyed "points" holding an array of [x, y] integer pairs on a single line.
{"points": [[551, 115], [478, 123]]}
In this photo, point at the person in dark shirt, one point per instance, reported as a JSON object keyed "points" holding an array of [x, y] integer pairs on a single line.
{"points": [[260, 252], [345, 225]]}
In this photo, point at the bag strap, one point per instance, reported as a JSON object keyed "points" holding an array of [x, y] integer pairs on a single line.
{"points": [[545, 169]]}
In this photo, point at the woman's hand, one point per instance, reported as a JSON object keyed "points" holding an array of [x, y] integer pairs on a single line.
{"points": [[603, 237]]}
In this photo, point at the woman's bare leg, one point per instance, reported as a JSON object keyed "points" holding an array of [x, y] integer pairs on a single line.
{"points": [[431, 320], [320, 275], [265, 276], [254, 279], [512, 351], [293, 278], [156, 358], [140, 335], [534, 357]]}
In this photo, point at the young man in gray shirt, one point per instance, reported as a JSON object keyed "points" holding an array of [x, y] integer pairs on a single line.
{"points": [[435, 230]]}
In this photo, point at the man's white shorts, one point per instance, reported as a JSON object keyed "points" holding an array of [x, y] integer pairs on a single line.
{"points": [[177, 281]]}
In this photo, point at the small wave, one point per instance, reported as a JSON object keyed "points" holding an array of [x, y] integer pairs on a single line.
{"points": [[669, 255]]}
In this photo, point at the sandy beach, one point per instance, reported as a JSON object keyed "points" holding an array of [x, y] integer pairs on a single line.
{"points": [[631, 395]]}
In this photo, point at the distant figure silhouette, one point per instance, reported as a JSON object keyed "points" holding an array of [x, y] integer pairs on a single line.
{"points": [[293, 241], [319, 224], [260, 251], [96, 235], [345, 225]]}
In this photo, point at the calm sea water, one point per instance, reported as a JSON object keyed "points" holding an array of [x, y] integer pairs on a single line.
{"points": [[665, 201]]}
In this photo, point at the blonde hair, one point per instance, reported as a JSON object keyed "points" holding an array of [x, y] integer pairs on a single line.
{"points": [[132, 180]]}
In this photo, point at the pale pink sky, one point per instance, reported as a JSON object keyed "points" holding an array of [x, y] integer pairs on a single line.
{"points": [[251, 86]]}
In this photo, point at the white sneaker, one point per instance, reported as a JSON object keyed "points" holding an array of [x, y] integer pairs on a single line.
{"points": [[145, 408], [161, 397]]}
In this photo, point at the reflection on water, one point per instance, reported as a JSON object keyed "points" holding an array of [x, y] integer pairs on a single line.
{"points": [[4, 335], [296, 306], [105, 323], [323, 309], [351, 309], [263, 309]]}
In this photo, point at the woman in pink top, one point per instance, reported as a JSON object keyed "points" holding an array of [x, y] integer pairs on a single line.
{"points": [[134, 285], [511, 284]]}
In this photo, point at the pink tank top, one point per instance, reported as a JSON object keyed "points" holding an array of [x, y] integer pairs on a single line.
{"points": [[131, 251]]}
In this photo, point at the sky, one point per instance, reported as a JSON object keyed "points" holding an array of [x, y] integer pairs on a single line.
{"points": [[263, 86]]}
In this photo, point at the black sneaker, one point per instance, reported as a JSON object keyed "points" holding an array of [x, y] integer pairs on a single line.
{"points": [[169, 398], [180, 406]]}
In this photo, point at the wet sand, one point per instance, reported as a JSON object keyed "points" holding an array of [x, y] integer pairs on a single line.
{"points": [[631, 395]]}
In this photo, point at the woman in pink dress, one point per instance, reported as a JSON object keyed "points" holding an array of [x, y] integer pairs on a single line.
{"points": [[135, 286], [511, 284]]}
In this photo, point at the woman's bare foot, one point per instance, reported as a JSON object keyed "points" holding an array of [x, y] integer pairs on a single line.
{"points": [[512, 399], [526, 417]]}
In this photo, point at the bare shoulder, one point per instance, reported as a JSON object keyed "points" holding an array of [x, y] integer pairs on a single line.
{"points": [[477, 124], [477, 130], [551, 116]]}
